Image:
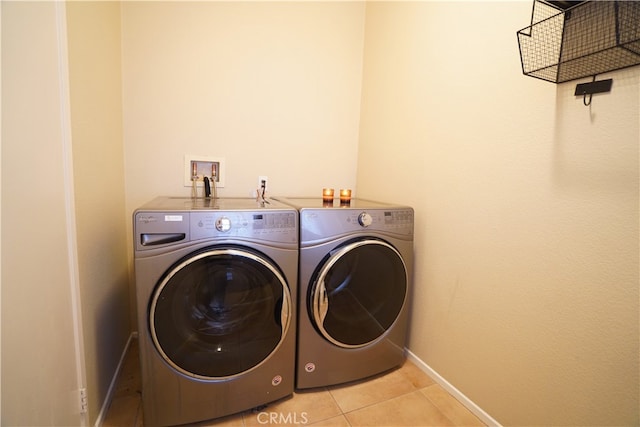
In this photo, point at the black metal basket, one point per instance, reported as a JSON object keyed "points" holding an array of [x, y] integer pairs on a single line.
{"points": [[571, 40]]}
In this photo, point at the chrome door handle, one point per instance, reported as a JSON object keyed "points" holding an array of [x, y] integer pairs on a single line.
{"points": [[284, 314], [321, 304]]}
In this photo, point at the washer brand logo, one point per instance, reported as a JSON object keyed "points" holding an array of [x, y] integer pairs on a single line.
{"points": [[147, 219], [289, 418], [276, 381]]}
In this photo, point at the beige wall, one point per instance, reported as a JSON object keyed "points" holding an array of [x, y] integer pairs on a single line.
{"points": [[65, 297], [273, 87], [40, 378], [98, 165], [526, 245]]}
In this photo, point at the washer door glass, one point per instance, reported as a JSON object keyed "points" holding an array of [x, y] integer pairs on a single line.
{"points": [[358, 292], [219, 313]]}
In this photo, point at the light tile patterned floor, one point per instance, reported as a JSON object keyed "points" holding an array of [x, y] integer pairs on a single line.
{"points": [[402, 397]]}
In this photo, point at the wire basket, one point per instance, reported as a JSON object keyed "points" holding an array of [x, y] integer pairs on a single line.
{"points": [[584, 39]]}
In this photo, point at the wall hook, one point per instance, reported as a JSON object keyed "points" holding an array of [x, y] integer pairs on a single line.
{"points": [[594, 86]]}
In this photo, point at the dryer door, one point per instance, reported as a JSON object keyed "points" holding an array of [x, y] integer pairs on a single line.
{"points": [[358, 292], [219, 313]]}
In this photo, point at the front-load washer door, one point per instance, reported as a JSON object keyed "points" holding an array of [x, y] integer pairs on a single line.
{"points": [[358, 292], [219, 313]]}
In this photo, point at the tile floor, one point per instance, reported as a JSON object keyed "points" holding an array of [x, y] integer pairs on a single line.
{"points": [[403, 397]]}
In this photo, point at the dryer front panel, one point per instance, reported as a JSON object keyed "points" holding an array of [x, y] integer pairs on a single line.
{"points": [[219, 312], [358, 292]]}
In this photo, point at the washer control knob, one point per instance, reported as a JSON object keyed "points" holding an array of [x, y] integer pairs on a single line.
{"points": [[364, 219], [223, 224]]}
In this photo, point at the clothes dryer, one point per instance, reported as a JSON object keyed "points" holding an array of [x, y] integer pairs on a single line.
{"points": [[216, 284], [356, 263]]}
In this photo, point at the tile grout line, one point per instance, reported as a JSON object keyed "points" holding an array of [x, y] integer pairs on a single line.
{"points": [[438, 406], [415, 389], [453, 391]]}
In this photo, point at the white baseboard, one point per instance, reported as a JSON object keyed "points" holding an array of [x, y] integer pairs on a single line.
{"points": [[468, 403], [114, 380]]}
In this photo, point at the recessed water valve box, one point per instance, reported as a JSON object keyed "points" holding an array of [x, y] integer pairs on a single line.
{"points": [[196, 168]]}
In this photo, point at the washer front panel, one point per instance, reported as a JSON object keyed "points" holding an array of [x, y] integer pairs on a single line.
{"points": [[358, 292], [219, 313]]}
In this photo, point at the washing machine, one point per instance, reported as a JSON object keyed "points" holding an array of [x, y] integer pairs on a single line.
{"points": [[355, 274], [216, 285]]}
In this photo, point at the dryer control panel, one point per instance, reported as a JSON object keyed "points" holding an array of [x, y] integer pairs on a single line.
{"points": [[320, 224]]}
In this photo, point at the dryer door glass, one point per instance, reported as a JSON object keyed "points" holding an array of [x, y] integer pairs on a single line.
{"points": [[358, 292], [219, 313]]}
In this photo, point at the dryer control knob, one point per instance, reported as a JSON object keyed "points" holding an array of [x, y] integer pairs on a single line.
{"points": [[223, 224], [364, 219]]}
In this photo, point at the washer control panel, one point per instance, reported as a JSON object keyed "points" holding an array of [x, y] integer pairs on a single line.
{"points": [[273, 225], [160, 229]]}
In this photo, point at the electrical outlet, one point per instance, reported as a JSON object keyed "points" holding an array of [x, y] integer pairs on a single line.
{"points": [[84, 400], [197, 167]]}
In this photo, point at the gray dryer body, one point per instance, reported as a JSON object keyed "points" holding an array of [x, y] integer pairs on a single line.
{"points": [[356, 263]]}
